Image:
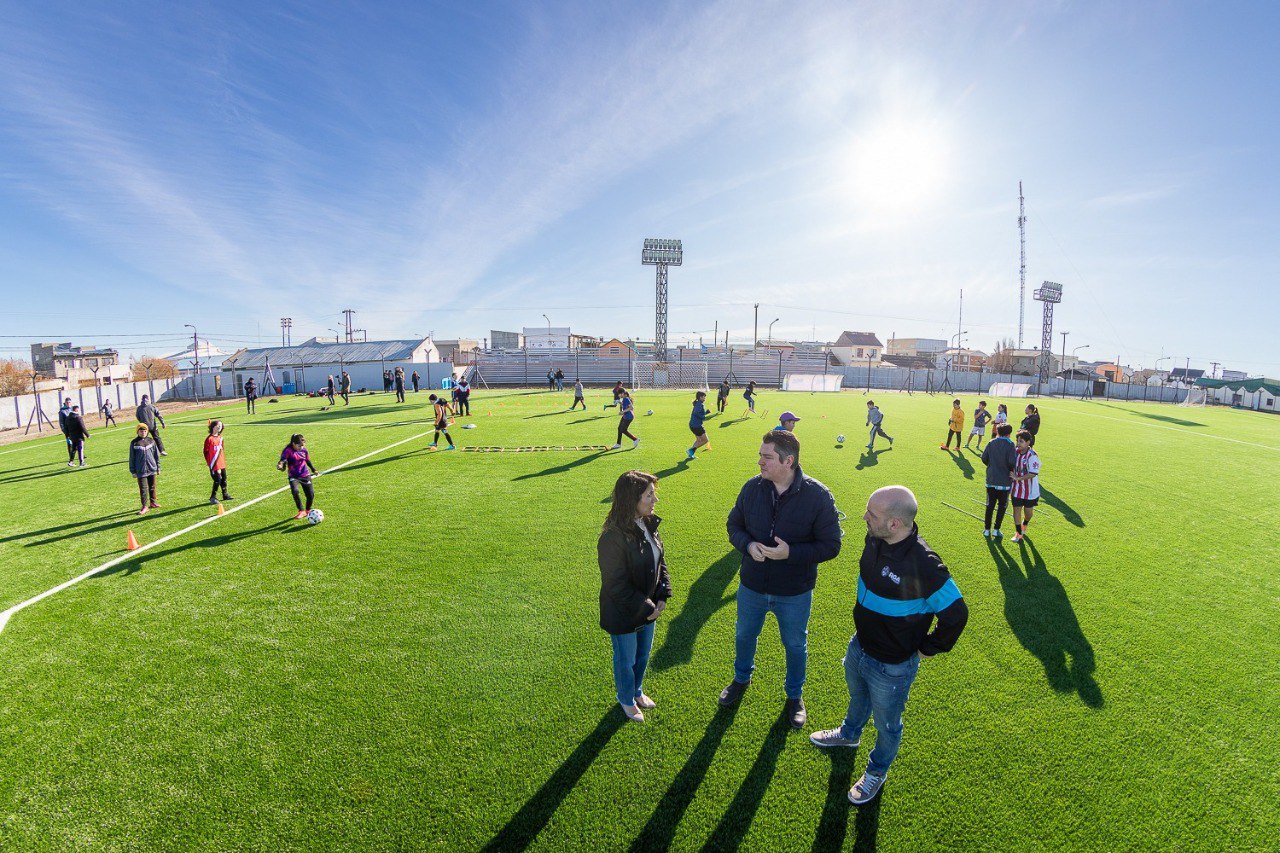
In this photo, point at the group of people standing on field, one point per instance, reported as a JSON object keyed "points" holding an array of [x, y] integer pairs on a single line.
{"points": [[784, 523]]}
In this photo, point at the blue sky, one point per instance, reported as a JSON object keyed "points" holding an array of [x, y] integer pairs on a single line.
{"points": [[458, 167]]}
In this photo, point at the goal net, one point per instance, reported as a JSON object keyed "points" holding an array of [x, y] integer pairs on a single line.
{"points": [[677, 374], [812, 382], [1009, 389], [1195, 397]]}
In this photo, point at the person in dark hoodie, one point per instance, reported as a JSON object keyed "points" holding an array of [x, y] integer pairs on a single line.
{"points": [[634, 585], [144, 464], [63, 413], [903, 586], [1000, 456], [77, 433], [149, 415], [785, 523]]}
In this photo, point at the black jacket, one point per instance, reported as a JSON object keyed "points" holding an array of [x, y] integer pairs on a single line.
{"points": [[901, 588], [75, 428], [1000, 456], [804, 517], [630, 585], [1031, 423]]}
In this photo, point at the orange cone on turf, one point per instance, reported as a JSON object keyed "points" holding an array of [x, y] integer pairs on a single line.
{"points": [[131, 544], [222, 510]]}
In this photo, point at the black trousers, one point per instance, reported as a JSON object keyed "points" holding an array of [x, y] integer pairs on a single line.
{"points": [[576, 401], [305, 487], [147, 488], [956, 433], [624, 428], [111, 419], [219, 481], [464, 404], [998, 500], [155, 433], [399, 392], [250, 404]]}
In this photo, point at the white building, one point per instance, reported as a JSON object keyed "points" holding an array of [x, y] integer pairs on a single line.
{"points": [[546, 337]]}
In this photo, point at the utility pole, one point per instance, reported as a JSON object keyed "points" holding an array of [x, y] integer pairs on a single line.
{"points": [[1213, 374], [755, 331], [1062, 365], [348, 312], [286, 331], [1022, 270]]}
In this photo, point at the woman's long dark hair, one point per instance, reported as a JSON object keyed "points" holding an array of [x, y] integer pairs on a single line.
{"points": [[626, 494]]}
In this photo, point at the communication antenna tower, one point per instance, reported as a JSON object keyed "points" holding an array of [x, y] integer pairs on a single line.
{"points": [[1022, 270], [661, 253]]}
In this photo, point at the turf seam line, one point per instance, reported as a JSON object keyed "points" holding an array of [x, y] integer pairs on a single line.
{"points": [[4, 616], [1178, 429]]}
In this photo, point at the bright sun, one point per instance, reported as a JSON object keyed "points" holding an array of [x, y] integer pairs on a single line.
{"points": [[898, 165]]}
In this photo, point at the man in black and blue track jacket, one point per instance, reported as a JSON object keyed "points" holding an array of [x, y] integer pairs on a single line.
{"points": [[903, 586], [785, 524]]}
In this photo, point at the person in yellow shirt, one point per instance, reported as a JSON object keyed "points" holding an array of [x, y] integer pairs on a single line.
{"points": [[955, 425]]}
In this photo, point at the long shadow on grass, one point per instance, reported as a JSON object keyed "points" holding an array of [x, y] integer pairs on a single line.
{"points": [[682, 465], [588, 420], [869, 458], [740, 420], [707, 595], [560, 469], [380, 460], [524, 825], [62, 469], [1165, 418], [73, 525], [129, 518], [128, 567], [737, 818], [661, 828], [834, 825], [1040, 615], [965, 466], [1061, 506]]}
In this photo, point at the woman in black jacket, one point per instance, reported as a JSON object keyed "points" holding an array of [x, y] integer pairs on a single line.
{"points": [[1031, 423], [634, 585]]}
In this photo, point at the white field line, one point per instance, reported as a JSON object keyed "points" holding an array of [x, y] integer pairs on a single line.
{"points": [[285, 425], [4, 616], [1177, 429], [130, 426]]}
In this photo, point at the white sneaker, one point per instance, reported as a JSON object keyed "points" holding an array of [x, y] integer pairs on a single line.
{"points": [[635, 444], [865, 789], [616, 447], [986, 533], [832, 737], [996, 534]]}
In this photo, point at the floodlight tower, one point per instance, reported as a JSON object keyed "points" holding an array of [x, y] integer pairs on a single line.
{"points": [[1050, 293], [1022, 269], [661, 253]]}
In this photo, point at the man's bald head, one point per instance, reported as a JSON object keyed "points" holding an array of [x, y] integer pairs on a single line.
{"points": [[890, 512]]}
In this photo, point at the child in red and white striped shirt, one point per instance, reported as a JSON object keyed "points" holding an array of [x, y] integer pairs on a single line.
{"points": [[1026, 483]]}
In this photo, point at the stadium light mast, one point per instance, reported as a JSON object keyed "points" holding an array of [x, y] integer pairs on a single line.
{"points": [[1050, 293], [661, 253]]}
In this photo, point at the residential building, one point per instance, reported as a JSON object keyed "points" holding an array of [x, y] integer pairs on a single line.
{"points": [[457, 350], [1024, 362], [1184, 376], [915, 346], [613, 348], [78, 365], [546, 337], [961, 360], [775, 345], [1233, 375], [858, 348], [505, 340], [1112, 372]]}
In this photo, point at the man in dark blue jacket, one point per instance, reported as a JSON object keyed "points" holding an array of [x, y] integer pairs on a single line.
{"points": [[902, 587], [784, 523]]}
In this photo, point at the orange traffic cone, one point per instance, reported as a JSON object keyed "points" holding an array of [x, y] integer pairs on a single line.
{"points": [[131, 544], [222, 510]]}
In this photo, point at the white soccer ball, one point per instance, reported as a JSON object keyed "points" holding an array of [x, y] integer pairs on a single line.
{"points": [[315, 516], [840, 439]]}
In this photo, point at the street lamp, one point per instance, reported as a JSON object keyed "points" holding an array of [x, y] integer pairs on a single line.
{"points": [[548, 319], [770, 334]]}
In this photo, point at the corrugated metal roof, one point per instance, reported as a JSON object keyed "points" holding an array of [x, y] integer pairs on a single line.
{"points": [[314, 352]]}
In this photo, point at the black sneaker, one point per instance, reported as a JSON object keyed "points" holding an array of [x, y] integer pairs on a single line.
{"points": [[795, 713], [731, 694]]}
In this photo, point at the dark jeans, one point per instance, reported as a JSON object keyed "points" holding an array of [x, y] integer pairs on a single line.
{"points": [[399, 393], [110, 418], [956, 433], [576, 401], [147, 488], [75, 448], [155, 433], [464, 404], [998, 500], [624, 428], [251, 404], [306, 488], [219, 481]]}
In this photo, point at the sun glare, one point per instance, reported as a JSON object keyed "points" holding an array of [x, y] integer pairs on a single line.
{"points": [[898, 165]]}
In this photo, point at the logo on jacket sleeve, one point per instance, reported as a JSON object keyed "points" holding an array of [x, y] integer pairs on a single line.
{"points": [[885, 573]]}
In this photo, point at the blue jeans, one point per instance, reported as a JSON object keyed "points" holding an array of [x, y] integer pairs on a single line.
{"points": [[630, 659], [880, 689], [792, 613]]}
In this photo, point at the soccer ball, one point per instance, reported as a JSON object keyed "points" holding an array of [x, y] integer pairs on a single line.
{"points": [[650, 412], [839, 439], [315, 516]]}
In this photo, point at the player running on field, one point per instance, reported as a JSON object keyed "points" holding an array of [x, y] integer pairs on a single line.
{"points": [[577, 396], [875, 420], [107, 416], [296, 463], [216, 459], [750, 396], [955, 425], [441, 409], [696, 418], [722, 396], [618, 391], [1026, 484], [628, 407], [980, 418]]}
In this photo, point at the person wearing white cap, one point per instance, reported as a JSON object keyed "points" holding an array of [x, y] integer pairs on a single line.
{"points": [[787, 422]]}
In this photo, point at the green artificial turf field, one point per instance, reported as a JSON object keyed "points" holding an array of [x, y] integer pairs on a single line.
{"points": [[425, 670]]}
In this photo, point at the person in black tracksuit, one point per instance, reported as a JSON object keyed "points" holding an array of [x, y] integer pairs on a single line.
{"points": [[77, 433], [1000, 456], [784, 523], [398, 380], [1031, 423], [251, 396], [329, 389], [903, 586], [149, 415]]}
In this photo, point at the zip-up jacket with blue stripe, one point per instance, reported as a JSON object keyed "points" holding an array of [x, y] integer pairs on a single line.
{"points": [[901, 588], [804, 516]]}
